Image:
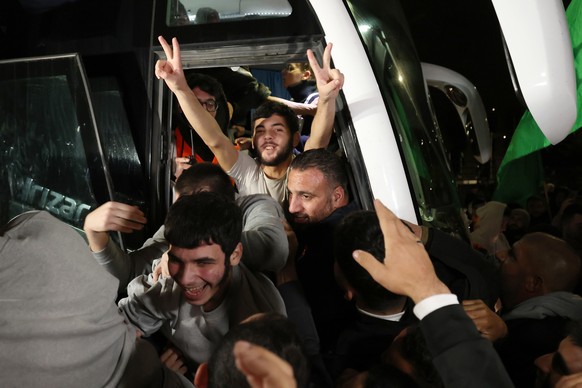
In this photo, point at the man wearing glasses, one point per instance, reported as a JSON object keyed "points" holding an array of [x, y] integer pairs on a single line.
{"points": [[190, 148]]}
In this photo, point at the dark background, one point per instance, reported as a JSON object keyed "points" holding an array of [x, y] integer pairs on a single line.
{"points": [[465, 37]]}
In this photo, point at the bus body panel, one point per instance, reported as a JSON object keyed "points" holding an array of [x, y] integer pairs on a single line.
{"points": [[368, 112]]}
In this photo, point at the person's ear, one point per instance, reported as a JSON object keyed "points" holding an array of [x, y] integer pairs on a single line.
{"points": [[338, 196], [230, 110], [306, 75], [201, 376], [236, 254], [349, 294], [296, 138]]}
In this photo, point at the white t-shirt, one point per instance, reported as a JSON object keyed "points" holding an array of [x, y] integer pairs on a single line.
{"points": [[250, 179]]}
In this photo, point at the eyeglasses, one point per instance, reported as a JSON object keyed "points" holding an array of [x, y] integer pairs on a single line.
{"points": [[209, 105], [300, 66]]}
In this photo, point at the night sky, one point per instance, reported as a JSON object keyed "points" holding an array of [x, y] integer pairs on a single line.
{"points": [[465, 36]]}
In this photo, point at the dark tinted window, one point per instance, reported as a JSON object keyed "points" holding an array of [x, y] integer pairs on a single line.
{"points": [[49, 156], [389, 45]]}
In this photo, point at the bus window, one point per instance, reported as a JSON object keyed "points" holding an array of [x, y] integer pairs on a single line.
{"points": [[51, 157], [184, 12], [398, 71]]}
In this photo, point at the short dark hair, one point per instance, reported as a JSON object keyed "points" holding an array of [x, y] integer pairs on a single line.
{"points": [[272, 331], [211, 86], [204, 218], [303, 67], [270, 108], [205, 177], [361, 230], [331, 166]]}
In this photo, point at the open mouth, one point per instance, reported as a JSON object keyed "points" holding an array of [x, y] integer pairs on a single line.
{"points": [[300, 219], [193, 292], [269, 147]]}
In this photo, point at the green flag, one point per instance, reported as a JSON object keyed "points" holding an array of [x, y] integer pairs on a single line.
{"points": [[520, 174]]}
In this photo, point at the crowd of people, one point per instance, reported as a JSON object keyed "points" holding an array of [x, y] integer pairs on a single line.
{"points": [[267, 274]]}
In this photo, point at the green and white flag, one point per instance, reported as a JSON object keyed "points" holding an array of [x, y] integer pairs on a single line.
{"points": [[520, 174]]}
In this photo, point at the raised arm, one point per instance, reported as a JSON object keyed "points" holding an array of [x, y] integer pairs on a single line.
{"points": [[461, 356], [170, 70], [111, 217], [407, 269], [329, 83], [120, 217], [263, 237], [299, 108]]}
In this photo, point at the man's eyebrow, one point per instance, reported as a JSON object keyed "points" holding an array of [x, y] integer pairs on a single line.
{"points": [[559, 365], [275, 124], [204, 259], [200, 259], [300, 192]]}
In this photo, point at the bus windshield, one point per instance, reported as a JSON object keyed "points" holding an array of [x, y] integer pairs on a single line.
{"points": [[398, 71]]}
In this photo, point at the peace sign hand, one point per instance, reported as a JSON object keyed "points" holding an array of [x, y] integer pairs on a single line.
{"points": [[170, 69], [329, 81]]}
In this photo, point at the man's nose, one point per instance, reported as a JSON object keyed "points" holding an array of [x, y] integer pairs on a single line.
{"points": [[186, 275], [544, 363], [294, 204]]}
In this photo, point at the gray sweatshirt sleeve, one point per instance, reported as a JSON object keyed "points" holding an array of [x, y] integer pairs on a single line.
{"points": [[126, 266], [149, 305], [265, 245]]}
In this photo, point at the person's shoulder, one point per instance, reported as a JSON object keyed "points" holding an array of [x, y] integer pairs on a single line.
{"points": [[244, 164], [244, 277], [334, 218], [255, 291], [244, 159], [258, 202]]}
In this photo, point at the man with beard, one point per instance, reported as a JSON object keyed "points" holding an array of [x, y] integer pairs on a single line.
{"points": [[318, 201], [208, 290], [562, 368], [275, 126]]}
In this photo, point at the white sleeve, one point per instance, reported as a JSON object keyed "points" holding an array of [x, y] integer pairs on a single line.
{"points": [[245, 173], [433, 303]]}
